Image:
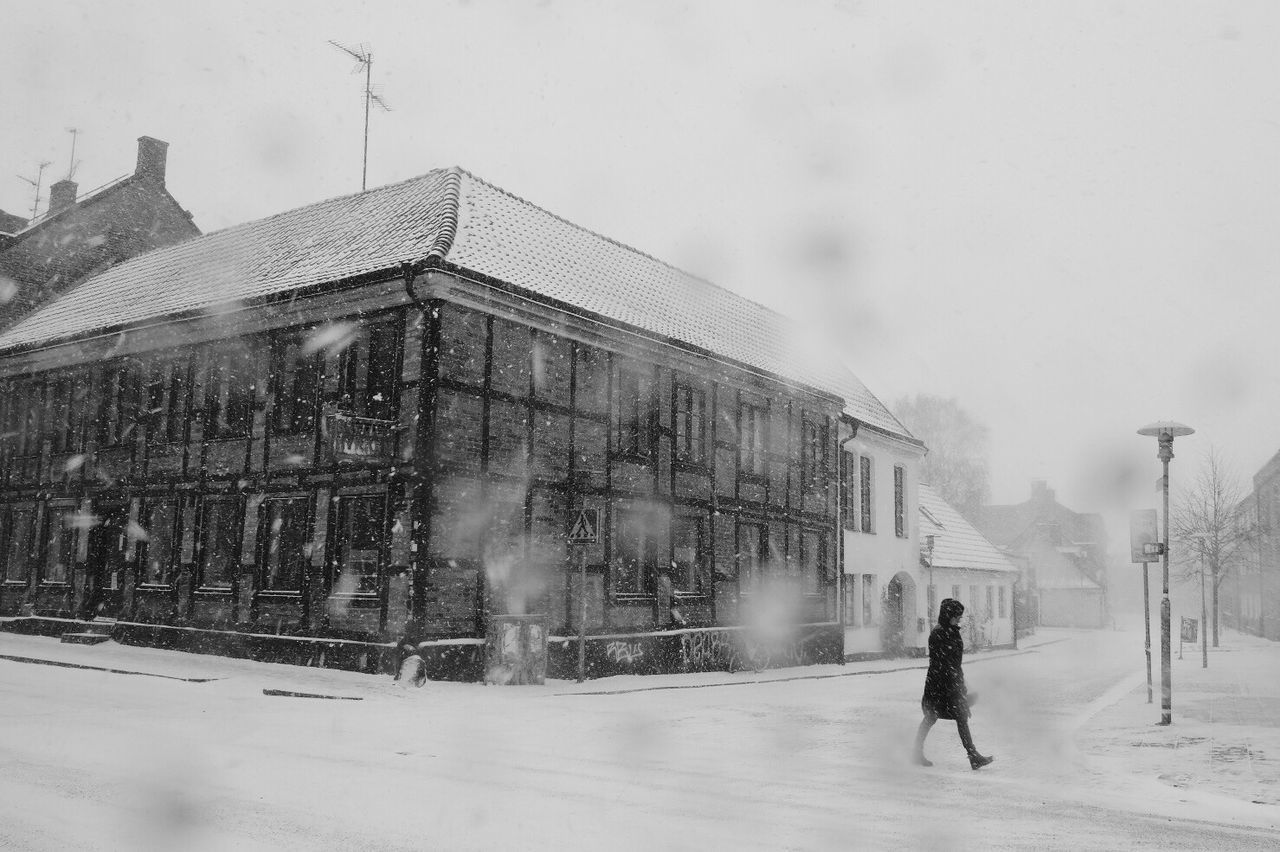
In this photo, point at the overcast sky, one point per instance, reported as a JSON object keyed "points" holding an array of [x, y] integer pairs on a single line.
{"points": [[1065, 215]]}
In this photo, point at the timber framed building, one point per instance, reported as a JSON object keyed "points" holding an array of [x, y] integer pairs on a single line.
{"points": [[371, 421]]}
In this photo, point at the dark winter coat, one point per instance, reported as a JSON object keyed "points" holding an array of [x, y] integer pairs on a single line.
{"points": [[945, 695]]}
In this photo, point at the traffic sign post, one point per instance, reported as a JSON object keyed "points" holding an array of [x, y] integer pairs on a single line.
{"points": [[584, 530], [1145, 547]]}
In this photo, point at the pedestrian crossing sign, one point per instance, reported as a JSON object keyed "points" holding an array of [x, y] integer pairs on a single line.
{"points": [[586, 527]]}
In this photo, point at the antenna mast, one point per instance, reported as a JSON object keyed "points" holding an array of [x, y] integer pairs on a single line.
{"points": [[73, 165], [35, 207], [364, 60]]}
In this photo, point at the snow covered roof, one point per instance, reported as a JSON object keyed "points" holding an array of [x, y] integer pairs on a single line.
{"points": [[956, 544], [452, 217]]}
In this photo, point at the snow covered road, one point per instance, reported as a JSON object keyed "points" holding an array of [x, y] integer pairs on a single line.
{"points": [[94, 760]]}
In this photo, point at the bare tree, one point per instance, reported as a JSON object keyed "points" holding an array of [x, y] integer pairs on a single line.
{"points": [[1205, 519], [956, 464]]}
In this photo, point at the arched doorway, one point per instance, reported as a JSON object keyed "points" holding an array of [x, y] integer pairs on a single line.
{"points": [[899, 614]]}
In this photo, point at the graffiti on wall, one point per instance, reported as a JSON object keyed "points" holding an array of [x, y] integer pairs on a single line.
{"points": [[625, 653], [735, 650]]}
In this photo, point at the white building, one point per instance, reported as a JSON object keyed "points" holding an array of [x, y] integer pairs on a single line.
{"points": [[882, 605]]}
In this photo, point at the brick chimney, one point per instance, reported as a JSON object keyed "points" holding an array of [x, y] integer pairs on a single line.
{"points": [[62, 195], [152, 154]]}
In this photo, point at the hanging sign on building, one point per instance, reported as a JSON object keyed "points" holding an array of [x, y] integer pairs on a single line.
{"points": [[361, 439]]}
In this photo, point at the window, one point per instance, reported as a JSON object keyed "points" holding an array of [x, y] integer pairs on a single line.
{"points": [[117, 405], [899, 501], [991, 601], [813, 452], [973, 602], [955, 593], [849, 479], [813, 551], [367, 371], [61, 404], [752, 420], [360, 532], [287, 539], [635, 552], [167, 402], [864, 488], [161, 526], [634, 406], [931, 595], [752, 547], [689, 554], [690, 412], [229, 388], [23, 420], [850, 600], [219, 541], [868, 599], [19, 536], [297, 370], [1004, 605], [60, 545]]}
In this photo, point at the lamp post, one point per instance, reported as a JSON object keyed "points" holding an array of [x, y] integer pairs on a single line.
{"points": [[1164, 432]]}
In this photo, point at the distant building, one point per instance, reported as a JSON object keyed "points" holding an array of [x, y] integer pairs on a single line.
{"points": [[960, 563], [1063, 556], [79, 237], [1250, 593], [376, 420]]}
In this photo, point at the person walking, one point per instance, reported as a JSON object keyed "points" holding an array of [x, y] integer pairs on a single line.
{"points": [[945, 695]]}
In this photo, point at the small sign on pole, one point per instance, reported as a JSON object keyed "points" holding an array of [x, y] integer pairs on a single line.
{"points": [[584, 530], [1144, 540]]}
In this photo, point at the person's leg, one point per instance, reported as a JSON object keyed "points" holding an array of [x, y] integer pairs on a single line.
{"points": [[975, 758], [923, 731]]}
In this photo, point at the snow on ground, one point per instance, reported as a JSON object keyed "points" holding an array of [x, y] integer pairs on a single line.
{"points": [[802, 758]]}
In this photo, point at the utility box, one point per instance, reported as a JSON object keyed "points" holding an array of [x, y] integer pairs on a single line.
{"points": [[515, 650]]}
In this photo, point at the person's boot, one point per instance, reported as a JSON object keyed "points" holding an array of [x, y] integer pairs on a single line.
{"points": [[977, 761], [921, 760]]}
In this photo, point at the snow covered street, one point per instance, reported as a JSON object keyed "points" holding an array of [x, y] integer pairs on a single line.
{"points": [[804, 758]]}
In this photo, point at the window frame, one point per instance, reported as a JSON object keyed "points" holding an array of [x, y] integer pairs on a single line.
{"points": [[866, 494], [753, 439], [690, 578], [291, 365], [813, 452], [355, 391], [168, 573], [272, 555], [342, 533], [230, 386], [233, 534], [750, 566], [689, 427], [66, 544], [32, 536], [813, 560], [899, 501], [645, 565], [635, 413]]}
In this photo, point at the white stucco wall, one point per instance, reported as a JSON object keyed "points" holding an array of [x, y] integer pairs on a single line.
{"points": [[880, 554]]}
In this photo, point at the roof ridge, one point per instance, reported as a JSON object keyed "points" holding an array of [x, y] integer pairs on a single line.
{"points": [[623, 245]]}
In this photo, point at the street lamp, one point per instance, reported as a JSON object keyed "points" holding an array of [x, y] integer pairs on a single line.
{"points": [[1164, 432]]}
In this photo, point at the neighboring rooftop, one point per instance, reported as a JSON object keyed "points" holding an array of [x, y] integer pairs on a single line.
{"points": [[461, 221], [956, 542]]}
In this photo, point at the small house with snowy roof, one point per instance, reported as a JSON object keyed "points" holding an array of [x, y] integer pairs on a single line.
{"points": [[957, 561]]}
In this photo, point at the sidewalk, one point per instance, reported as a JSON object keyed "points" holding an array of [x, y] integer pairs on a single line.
{"points": [[1225, 736]]}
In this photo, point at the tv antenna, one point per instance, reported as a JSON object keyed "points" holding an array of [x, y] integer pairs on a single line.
{"points": [[364, 60], [74, 163], [44, 164]]}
